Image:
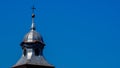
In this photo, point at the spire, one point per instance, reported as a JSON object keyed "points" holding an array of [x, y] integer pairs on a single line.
{"points": [[32, 46], [33, 16]]}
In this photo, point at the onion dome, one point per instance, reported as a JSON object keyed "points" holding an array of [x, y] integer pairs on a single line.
{"points": [[33, 36]]}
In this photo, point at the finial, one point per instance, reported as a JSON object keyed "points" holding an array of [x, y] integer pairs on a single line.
{"points": [[33, 8], [33, 16]]}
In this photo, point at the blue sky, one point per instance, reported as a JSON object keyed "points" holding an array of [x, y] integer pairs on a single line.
{"points": [[77, 33]]}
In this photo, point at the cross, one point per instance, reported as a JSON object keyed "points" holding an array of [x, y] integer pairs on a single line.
{"points": [[33, 8]]}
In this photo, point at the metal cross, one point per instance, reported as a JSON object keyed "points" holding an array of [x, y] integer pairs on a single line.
{"points": [[33, 8]]}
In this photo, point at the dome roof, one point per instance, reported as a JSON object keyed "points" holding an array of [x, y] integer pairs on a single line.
{"points": [[33, 36]]}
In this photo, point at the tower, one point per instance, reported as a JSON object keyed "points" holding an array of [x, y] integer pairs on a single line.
{"points": [[32, 46]]}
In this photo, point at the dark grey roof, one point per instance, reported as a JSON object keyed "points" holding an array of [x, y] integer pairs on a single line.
{"points": [[35, 60]]}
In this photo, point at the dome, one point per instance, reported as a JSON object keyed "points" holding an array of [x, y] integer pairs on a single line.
{"points": [[33, 36]]}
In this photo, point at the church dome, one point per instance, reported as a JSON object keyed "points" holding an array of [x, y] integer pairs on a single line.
{"points": [[33, 36]]}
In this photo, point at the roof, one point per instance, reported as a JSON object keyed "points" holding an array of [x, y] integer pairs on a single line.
{"points": [[35, 60], [32, 36]]}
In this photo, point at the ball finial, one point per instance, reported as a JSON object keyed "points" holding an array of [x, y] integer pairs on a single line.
{"points": [[33, 15]]}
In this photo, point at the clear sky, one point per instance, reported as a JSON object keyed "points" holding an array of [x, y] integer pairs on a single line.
{"points": [[77, 33]]}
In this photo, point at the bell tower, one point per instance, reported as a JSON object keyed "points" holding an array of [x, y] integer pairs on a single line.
{"points": [[32, 47]]}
